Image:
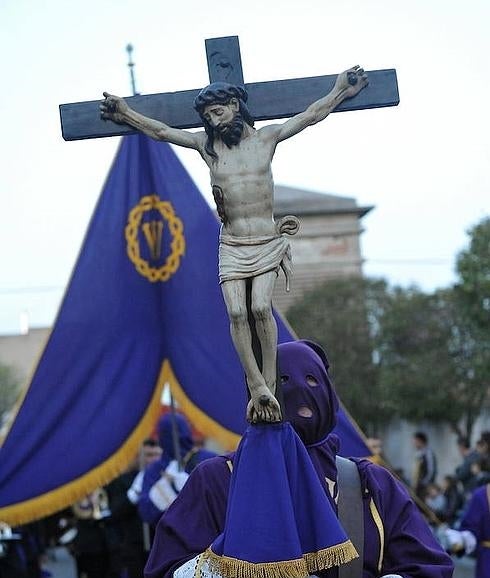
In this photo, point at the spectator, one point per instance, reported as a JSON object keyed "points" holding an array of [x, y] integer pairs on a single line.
{"points": [[163, 479], [480, 471], [425, 466], [469, 456], [150, 452], [435, 499], [454, 500], [124, 527], [483, 444], [90, 546], [375, 446]]}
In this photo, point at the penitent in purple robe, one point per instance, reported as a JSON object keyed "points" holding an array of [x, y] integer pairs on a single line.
{"points": [[397, 539], [147, 510], [476, 519]]}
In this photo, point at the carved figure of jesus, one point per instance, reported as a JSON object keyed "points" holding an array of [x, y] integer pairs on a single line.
{"points": [[252, 244]]}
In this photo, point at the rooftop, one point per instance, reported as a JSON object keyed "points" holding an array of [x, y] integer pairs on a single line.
{"points": [[301, 202]]}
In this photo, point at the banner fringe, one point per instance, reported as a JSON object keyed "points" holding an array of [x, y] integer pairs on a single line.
{"points": [[64, 496]]}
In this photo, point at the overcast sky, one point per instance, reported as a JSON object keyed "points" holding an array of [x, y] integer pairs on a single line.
{"points": [[424, 165]]}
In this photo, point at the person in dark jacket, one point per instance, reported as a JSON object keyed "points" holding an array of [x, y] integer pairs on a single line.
{"points": [[469, 456], [90, 546], [425, 465], [125, 528], [454, 500]]}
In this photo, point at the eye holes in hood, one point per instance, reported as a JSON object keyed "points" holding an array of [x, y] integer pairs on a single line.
{"points": [[311, 380]]}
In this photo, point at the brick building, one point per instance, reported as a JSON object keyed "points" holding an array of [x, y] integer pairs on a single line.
{"points": [[327, 244]]}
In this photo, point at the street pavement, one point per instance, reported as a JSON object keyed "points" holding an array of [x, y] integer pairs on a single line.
{"points": [[465, 568], [60, 563]]}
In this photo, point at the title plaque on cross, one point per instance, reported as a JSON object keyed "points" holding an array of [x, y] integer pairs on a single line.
{"points": [[266, 100]]}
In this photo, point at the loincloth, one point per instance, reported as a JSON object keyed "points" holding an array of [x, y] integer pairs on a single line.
{"points": [[246, 257]]}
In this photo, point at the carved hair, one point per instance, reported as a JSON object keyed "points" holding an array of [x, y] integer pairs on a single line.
{"points": [[220, 93]]}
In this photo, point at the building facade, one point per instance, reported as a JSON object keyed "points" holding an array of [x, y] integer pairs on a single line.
{"points": [[327, 244]]}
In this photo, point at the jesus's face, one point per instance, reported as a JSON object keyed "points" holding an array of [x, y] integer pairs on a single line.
{"points": [[226, 121], [220, 115]]}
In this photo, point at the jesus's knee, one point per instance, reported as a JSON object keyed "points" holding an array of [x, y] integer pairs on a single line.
{"points": [[262, 311], [238, 315]]}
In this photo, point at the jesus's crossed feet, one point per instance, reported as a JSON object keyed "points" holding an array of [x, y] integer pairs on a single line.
{"points": [[263, 406]]}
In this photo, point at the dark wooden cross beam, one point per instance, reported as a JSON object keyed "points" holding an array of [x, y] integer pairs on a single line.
{"points": [[266, 100]]}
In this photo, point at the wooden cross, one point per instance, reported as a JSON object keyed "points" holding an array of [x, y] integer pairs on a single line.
{"points": [[266, 100]]}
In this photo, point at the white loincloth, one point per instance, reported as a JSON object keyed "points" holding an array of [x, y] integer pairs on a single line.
{"points": [[245, 257]]}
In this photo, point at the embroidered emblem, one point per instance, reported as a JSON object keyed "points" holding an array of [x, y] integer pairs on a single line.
{"points": [[158, 224]]}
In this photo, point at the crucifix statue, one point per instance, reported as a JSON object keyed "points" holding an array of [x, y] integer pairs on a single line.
{"points": [[252, 245]]}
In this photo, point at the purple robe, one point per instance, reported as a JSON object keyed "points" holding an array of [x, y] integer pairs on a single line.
{"points": [[147, 510], [397, 539], [476, 519]]}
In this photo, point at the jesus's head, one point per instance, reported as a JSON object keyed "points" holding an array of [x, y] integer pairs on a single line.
{"points": [[223, 111]]}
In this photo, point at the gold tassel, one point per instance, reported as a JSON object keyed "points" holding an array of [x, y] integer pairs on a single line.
{"points": [[333, 556], [229, 567], [299, 568]]}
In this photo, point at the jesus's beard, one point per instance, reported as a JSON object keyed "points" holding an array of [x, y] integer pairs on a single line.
{"points": [[231, 133]]}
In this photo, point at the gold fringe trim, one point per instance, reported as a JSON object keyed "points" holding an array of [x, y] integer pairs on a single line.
{"points": [[201, 420], [233, 568], [333, 556], [66, 495], [298, 568]]}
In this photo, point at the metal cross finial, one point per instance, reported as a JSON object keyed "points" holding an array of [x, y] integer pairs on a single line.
{"points": [[129, 49]]}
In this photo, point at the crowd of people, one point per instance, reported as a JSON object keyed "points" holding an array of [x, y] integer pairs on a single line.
{"points": [[456, 505], [459, 502], [449, 496]]}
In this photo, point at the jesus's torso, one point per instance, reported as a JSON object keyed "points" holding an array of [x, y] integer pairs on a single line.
{"points": [[243, 174]]}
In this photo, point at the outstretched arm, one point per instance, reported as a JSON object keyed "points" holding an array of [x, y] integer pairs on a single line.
{"points": [[347, 85], [117, 109]]}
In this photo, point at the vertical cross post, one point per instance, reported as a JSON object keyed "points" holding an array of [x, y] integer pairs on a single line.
{"points": [[224, 60]]}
